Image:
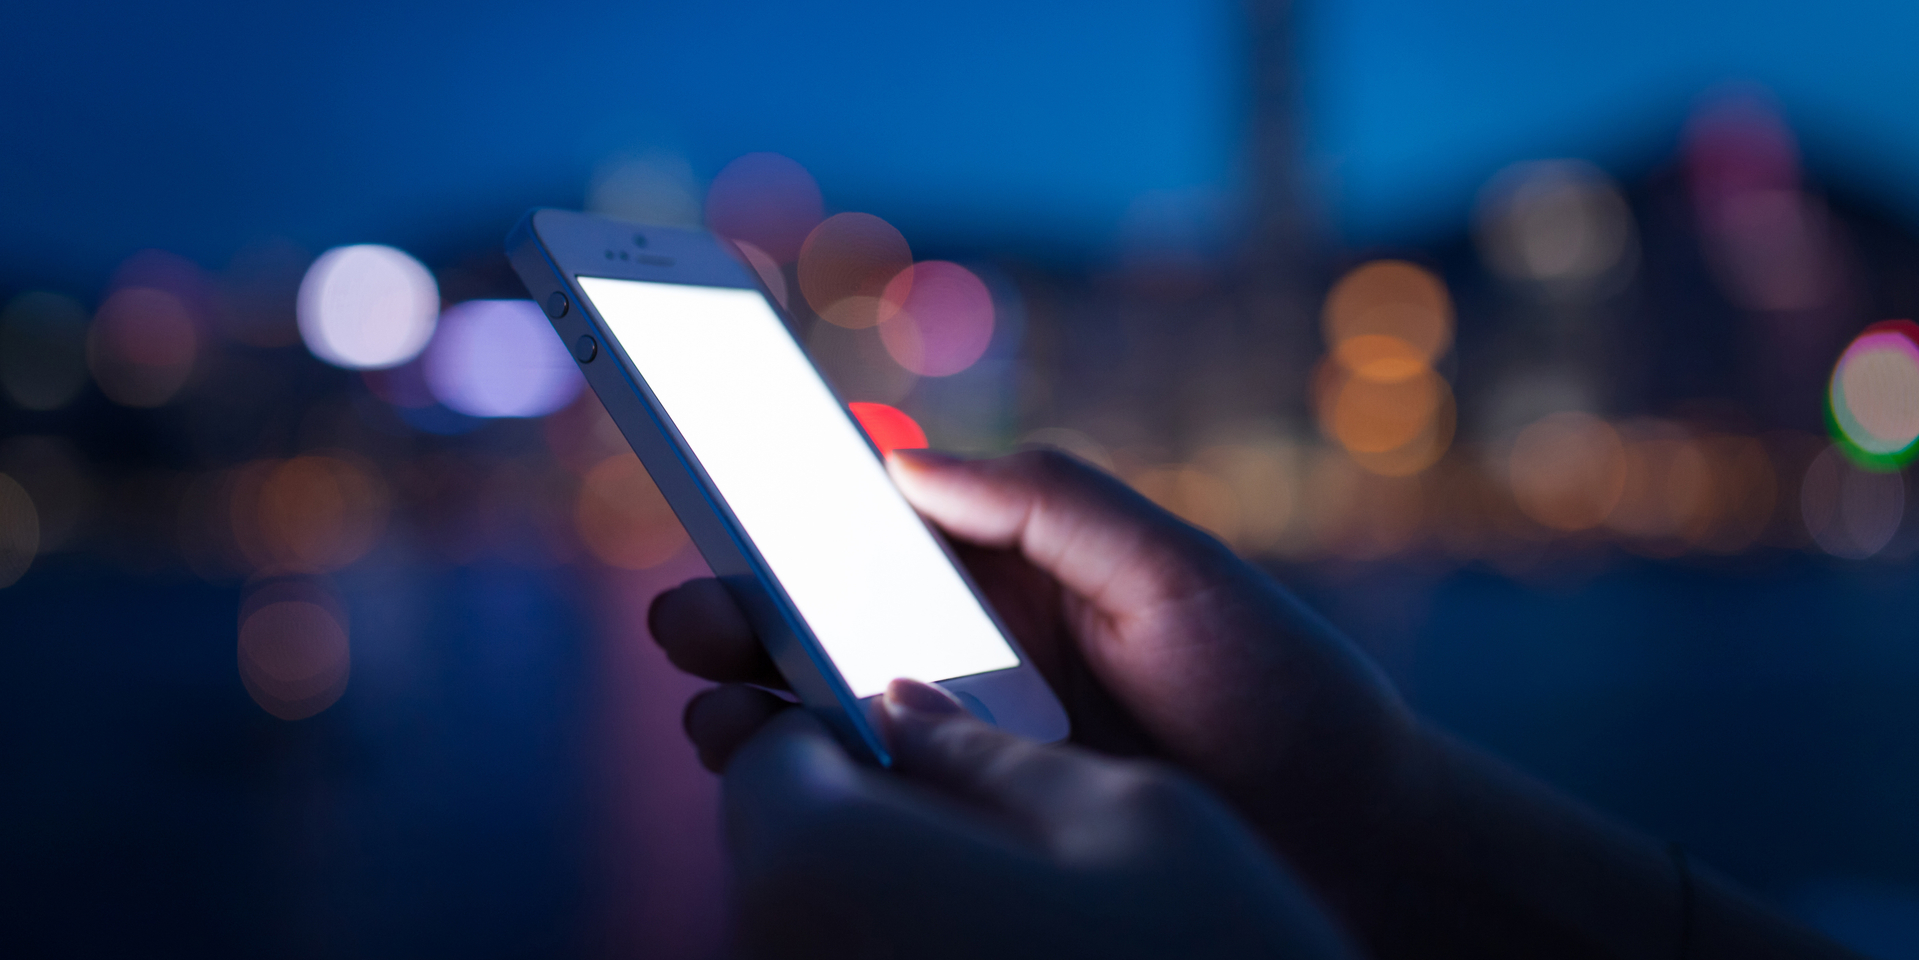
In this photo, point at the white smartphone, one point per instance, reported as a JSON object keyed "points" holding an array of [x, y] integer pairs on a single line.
{"points": [[774, 480]]}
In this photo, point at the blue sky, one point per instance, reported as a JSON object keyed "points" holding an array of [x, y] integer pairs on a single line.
{"points": [[198, 127], [1414, 104]]}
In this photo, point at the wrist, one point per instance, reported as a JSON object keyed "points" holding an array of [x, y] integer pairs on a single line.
{"points": [[1347, 792]]}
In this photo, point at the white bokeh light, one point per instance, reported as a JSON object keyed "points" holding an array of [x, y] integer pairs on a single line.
{"points": [[367, 307], [500, 358]]}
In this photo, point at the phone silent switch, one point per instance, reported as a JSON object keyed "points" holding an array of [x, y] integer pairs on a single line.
{"points": [[585, 348]]}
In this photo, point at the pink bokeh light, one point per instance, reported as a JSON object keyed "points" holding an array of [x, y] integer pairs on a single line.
{"points": [[941, 321], [766, 200]]}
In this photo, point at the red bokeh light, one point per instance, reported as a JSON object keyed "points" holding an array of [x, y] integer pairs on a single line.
{"points": [[889, 428]]}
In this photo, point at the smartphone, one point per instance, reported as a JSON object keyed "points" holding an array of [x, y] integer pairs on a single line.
{"points": [[772, 477]]}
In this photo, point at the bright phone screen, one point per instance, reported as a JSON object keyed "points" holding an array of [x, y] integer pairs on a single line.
{"points": [[865, 573]]}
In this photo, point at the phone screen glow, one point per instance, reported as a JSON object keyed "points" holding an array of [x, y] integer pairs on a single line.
{"points": [[861, 568]]}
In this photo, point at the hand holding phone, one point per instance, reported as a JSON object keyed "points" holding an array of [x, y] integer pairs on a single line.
{"points": [[994, 846], [772, 477]]}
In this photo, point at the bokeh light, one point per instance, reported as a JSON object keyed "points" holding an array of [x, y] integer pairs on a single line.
{"points": [[1330, 483], [1373, 416], [1426, 447], [654, 187], [1394, 417], [1568, 471], [582, 436], [1767, 239], [1873, 397], [623, 519], [766, 200], [310, 514], [1262, 474], [1378, 396], [1390, 298], [500, 358], [43, 350], [1667, 491], [141, 346], [1850, 512], [367, 306], [889, 428], [938, 318], [1195, 495], [294, 654], [1554, 221], [1356, 514], [848, 264], [19, 531], [1743, 496], [1390, 518]]}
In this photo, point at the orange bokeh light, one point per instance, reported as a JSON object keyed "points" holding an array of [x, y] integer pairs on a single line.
{"points": [[311, 514], [1568, 471], [1422, 451], [1195, 496], [1380, 358], [1394, 299], [1370, 416], [623, 519], [1745, 492], [1667, 490], [846, 264]]}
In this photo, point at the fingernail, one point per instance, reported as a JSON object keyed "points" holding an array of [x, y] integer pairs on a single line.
{"points": [[911, 698]]}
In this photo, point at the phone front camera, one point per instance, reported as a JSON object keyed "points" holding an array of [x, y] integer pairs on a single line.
{"points": [[639, 239]]}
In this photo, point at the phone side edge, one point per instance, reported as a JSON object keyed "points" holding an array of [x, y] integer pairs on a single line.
{"points": [[707, 521]]}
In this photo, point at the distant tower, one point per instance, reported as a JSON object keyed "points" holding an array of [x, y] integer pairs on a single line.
{"points": [[1280, 259]]}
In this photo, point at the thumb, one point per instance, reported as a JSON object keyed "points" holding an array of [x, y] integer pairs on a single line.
{"points": [[1043, 788], [1096, 536]]}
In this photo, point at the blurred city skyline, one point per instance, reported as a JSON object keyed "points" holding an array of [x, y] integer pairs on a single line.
{"points": [[1556, 357], [207, 129]]}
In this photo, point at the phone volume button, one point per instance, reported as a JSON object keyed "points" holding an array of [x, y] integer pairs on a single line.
{"points": [[585, 348], [556, 305]]}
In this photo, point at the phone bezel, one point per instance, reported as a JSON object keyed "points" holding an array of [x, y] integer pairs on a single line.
{"points": [[550, 249]]}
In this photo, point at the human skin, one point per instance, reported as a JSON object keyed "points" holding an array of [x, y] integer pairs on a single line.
{"points": [[1163, 644], [983, 844]]}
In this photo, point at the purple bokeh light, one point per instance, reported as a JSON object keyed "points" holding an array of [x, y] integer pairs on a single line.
{"points": [[500, 358]]}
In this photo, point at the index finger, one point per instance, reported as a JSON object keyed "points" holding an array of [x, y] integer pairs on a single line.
{"points": [[705, 633], [1096, 536]]}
